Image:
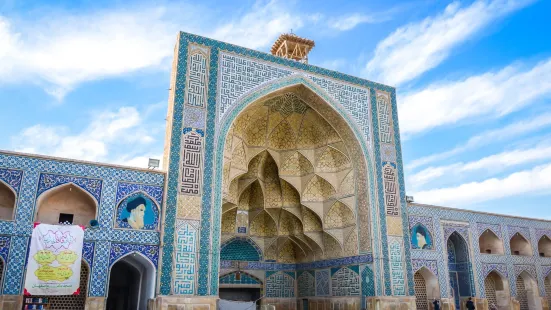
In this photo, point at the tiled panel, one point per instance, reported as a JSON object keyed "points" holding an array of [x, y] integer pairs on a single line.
{"points": [[32, 176]]}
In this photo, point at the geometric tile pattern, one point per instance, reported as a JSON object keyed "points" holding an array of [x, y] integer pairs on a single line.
{"points": [[280, 284], [482, 227], [48, 181], [240, 248], [185, 257], [4, 247], [423, 220], [125, 189], [322, 283], [524, 231], [431, 265], [88, 252], [12, 177], [119, 250], [397, 267], [345, 281], [500, 268], [306, 284], [245, 278], [368, 281]]}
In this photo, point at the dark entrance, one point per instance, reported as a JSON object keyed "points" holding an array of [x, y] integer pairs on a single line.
{"points": [[124, 287], [239, 293]]}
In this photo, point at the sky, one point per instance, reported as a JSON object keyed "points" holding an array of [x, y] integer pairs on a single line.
{"points": [[89, 80]]}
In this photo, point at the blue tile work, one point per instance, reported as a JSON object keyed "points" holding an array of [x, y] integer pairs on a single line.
{"points": [[12, 177], [209, 237], [185, 257], [345, 281], [368, 282], [292, 80], [470, 225], [280, 284], [306, 283], [88, 252], [240, 248], [323, 283], [120, 250], [245, 278], [125, 189], [48, 181], [31, 176], [4, 248]]}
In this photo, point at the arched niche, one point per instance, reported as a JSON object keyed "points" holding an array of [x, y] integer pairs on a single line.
{"points": [[7, 202], [527, 292], [426, 288], [520, 246], [459, 267], [544, 246], [131, 282], [496, 287], [240, 248], [547, 285], [137, 211], [489, 243], [421, 237], [65, 202]]}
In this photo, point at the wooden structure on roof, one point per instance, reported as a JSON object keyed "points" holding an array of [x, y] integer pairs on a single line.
{"points": [[291, 46]]}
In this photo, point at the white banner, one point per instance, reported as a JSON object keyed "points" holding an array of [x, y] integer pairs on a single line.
{"points": [[54, 260]]}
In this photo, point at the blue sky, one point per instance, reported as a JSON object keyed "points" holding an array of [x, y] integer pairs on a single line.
{"points": [[89, 80]]}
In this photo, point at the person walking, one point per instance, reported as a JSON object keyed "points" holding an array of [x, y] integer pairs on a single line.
{"points": [[436, 304], [470, 304]]}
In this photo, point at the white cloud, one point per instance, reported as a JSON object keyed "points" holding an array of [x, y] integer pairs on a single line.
{"points": [[492, 93], [109, 133], [66, 49], [490, 163], [418, 47], [348, 22], [487, 137], [259, 27], [535, 181]]}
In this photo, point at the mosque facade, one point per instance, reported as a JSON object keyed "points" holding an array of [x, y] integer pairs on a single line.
{"points": [[282, 183]]}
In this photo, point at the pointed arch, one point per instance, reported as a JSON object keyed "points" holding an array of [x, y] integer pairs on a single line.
{"points": [[138, 271], [490, 243], [240, 248], [520, 245], [544, 246], [527, 291], [67, 198], [496, 288], [426, 288], [241, 278], [8, 201]]}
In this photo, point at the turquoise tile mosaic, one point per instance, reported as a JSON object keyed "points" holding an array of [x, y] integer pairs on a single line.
{"points": [[242, 249]]}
